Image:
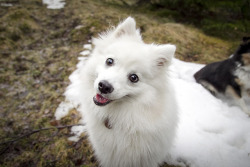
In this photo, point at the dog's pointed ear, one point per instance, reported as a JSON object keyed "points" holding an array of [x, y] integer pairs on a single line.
{"points": [[165, 53], [127, 27]]}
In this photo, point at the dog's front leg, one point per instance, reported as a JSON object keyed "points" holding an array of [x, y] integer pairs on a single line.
{"points": [[238, 99], [243, 106]]}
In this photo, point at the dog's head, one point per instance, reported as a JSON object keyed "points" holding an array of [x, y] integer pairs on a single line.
{"points": [[242, 54], [126, 68]]}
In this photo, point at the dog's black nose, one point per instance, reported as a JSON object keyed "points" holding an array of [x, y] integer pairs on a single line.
{"points": [[105, 87]]}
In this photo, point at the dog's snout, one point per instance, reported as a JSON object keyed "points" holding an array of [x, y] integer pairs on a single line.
{"points": [[105, 87]]}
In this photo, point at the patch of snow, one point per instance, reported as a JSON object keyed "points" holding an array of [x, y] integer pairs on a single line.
{"points": [[87, 50], [79, 27], [87, 46], [63, 109], [210, 133], [6, 4], [54, 4], [77, 131], [85, 53]]}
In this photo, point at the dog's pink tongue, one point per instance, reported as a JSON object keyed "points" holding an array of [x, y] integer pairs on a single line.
{"points": [[101, 99]]}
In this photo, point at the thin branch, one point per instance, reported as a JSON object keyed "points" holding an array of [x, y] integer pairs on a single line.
{"points": [[39, 130]]}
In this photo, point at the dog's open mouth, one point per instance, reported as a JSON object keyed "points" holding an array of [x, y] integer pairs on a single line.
{"points": [[100, 100]]}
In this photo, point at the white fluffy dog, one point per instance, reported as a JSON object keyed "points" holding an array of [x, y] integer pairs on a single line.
{"points": [[126, 99]]}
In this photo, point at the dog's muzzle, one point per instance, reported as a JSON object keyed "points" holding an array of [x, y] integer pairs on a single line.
{"points": [[105, 88]]}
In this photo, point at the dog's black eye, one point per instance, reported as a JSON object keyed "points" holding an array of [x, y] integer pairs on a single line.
{"points": [[133, 78], [109, 61]]}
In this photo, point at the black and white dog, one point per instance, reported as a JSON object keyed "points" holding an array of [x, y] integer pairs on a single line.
{"points": [[230, 77]]}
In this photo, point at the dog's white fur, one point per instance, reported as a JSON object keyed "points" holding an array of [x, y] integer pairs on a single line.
{"points": [[143, 115]]}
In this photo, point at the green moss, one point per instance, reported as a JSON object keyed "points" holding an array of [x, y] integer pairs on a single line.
{"points": [[14, 36], [25, 28], [229, 29], [18, 14], [26, 159], [17, 24], [2, 29], [84, 32]]}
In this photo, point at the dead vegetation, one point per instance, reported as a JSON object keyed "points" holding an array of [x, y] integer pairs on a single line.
{"points": [[38, 51]]}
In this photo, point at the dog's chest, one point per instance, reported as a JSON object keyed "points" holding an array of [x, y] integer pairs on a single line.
{"points": [[243, 78]]}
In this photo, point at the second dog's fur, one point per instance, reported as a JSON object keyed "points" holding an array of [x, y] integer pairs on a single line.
{"points": [[230, 77]]}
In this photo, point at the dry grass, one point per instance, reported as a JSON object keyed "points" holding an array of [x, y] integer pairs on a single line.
{"points": [[39, 49], [192, 44]]}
